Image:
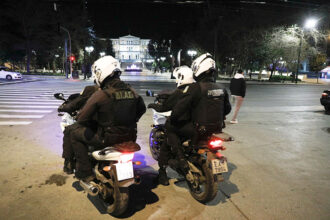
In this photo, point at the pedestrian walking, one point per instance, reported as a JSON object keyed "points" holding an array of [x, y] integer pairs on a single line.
{"points": [[237, 90]]}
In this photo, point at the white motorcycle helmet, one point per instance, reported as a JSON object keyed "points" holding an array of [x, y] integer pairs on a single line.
{"points": [[104, 67], [183, 75], [202, 64]]}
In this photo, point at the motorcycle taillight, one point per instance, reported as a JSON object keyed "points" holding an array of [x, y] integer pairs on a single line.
{"points": [[126, 157], [216, 144], [324, 94]]}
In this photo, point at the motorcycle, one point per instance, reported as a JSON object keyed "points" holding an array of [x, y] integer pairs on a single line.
{"points": [[206, 163], [113, 169]]}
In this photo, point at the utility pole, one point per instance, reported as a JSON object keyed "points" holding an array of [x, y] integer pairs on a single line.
{"points": [[67, 52], [299, 51]]}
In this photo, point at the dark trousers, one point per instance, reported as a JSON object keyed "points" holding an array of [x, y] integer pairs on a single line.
{"points": [[173, 142], [67, 146], [81, 138]]}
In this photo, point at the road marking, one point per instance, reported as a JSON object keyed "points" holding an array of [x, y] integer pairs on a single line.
{"points": [[31, 99], [25, 93], [28, 106], [20, 116], [25, 111], [30, 103], [15, 122], [305, 108]]}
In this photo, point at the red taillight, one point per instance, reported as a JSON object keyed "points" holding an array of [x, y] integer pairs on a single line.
{"points": [[124, 158], [324, 94], [216, 144]]}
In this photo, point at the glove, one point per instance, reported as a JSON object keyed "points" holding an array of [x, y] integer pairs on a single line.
{"points": [[152, 105], [60, 108]]}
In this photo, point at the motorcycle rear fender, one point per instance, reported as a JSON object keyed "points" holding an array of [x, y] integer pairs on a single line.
{"points": [[211, 156]]}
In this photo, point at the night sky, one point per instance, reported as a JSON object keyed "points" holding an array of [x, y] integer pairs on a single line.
{"points": [[171, 18]]}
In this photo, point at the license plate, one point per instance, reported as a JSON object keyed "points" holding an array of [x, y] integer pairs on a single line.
{"points": [[124, 171], [219, 166]]}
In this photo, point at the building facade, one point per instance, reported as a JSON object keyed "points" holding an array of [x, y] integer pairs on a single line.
{"points": [[131, 49]]}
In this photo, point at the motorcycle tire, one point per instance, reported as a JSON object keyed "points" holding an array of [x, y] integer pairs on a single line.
{"points": [[120, 202], [153, 145], [209, 185]]}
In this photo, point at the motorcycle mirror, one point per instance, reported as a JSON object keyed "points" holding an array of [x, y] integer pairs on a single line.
{"points": [[59, 96], [150, 93]]}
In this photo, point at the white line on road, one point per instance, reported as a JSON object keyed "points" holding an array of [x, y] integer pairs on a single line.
{"points": [[25, 111], [28, 106], [305, 108], [30, 103], [15, 122], [30, 99], [20, 116]]}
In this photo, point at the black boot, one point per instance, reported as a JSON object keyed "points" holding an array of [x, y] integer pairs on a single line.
{"points": [[162, 177], [69, 166]]}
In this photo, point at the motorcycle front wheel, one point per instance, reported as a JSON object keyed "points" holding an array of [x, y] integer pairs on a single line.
{"points": [[154, 143], [207, 188]]}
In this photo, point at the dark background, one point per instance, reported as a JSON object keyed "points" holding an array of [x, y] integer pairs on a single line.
{"points": [[171, 18]]}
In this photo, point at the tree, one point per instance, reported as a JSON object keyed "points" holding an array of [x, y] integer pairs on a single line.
{"points": [[159, 48], [317, 62], [109, 48]]}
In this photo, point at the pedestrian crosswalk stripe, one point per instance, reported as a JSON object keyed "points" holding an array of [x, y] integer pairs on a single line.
{"points": [[15, 99], [20, 116], [25, 111], [28, 106], [30, 103], [15, 122], [24, 92], [30, 99]]}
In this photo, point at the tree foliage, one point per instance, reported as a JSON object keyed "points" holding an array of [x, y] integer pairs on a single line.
{"points": [[32, 34]]}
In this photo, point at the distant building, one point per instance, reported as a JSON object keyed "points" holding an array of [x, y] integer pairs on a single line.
{"points": [[131, 50]]}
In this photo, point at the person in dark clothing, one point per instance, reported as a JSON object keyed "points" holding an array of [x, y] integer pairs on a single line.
{"points": [[237, 90], [116, 109], [73, 105], [206, 101], [184, 78]]}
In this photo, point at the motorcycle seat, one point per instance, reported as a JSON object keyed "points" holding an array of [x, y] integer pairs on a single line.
{"points": [[224, 136], [108, 153], [113, 152], [126, 147]]}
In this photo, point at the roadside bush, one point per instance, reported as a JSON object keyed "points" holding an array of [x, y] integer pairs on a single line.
{"points": [[279, 78], [44, 74]]}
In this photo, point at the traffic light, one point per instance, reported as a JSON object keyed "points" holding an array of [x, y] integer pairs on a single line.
{"points": [[72, 59]]}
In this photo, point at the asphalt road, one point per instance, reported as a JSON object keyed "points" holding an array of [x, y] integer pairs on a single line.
{"points": [[278, 163]]}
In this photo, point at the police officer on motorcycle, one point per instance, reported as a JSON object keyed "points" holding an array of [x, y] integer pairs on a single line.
{"points": [[184, 78], [206, 101], [75, 102], [116, 109]]}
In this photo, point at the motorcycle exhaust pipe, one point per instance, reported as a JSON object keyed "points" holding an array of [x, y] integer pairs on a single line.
{"points": [[89, 188]]}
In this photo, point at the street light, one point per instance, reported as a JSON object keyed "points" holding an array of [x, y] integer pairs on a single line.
{"points": [[102, 54], [89, 49], [162, 58], [309, 24], [191, 53]]}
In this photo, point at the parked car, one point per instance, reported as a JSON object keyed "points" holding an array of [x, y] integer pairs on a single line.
{"points": [[325, 100], [5, 73]]}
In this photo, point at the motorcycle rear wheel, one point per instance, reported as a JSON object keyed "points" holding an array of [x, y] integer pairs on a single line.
{"points": [[207, 189], [119, 202]]}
